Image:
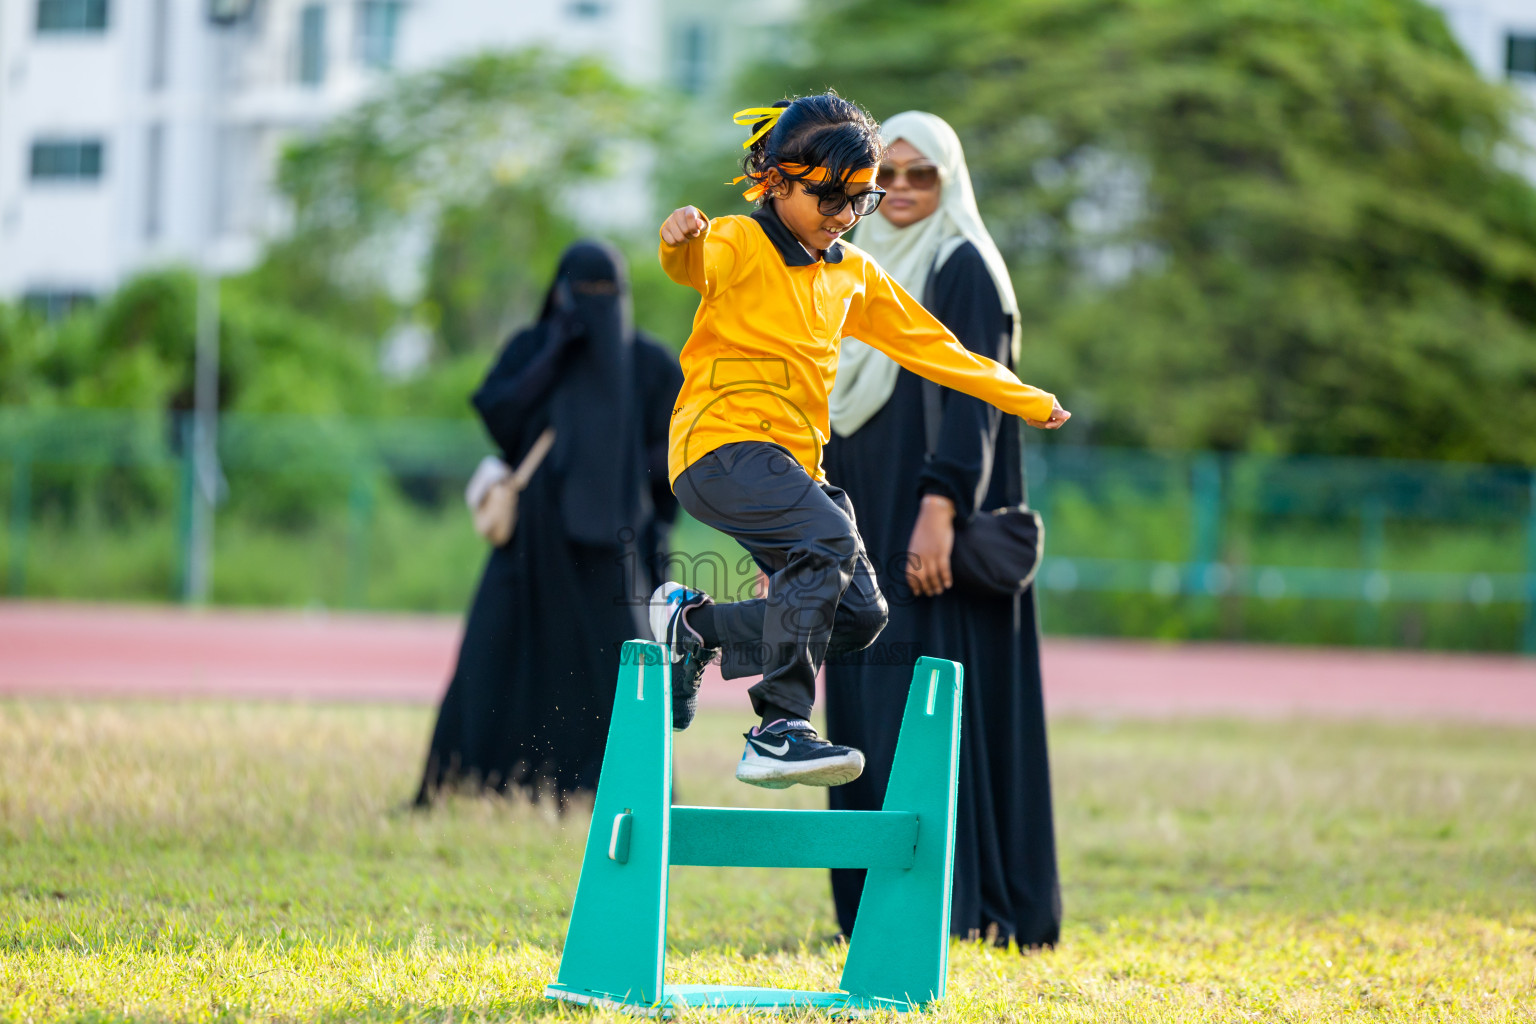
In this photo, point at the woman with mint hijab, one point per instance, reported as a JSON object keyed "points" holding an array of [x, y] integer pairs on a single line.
{"points": [[930, 237]]}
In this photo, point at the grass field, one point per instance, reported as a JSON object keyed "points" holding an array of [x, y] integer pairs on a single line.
{"points": [[210, 862]]}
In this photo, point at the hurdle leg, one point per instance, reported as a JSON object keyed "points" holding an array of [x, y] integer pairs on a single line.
{"points": [[616, 945], [899, 949]]}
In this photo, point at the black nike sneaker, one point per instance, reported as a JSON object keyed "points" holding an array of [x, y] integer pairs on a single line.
{"points": [[789, 751], [669, 609]]}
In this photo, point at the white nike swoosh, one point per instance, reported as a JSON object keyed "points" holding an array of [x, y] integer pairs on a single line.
{"points": [[781, 750]]}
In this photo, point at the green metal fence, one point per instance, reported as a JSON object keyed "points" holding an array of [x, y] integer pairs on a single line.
{"points": [[1367, 532], [284, 471], [353, 502]]}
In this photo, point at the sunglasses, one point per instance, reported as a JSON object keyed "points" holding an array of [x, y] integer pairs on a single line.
{"points": [[864, 204], [923, 177]]}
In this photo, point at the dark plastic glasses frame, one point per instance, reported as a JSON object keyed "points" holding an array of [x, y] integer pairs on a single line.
{"points": [[864, 204]]}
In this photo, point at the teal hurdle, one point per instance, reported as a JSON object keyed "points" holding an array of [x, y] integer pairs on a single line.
{"points": [[615, 950]]}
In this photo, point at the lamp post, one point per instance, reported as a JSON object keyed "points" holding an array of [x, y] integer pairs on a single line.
{"points": [[222, 15]]}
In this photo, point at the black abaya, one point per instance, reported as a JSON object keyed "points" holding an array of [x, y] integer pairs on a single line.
{"points": [[530, 699], [1005, 882]]}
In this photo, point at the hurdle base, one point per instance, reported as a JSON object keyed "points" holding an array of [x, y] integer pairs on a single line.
{"points": [[765, 1000]]}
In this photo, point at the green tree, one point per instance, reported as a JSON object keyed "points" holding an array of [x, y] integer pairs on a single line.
{"points": [[1286, 225], [474, 164], [136, 351], [23, 346]]}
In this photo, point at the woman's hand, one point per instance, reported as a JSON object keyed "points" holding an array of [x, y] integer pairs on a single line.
{"points": [[1058, 417], [933, 538], [689, 222]]}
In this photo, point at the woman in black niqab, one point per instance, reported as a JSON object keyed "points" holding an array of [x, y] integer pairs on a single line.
{"points": [[529, 702], [588, 305]]}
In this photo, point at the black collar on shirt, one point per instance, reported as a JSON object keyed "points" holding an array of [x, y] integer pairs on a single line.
{"points": [[784, 240]]}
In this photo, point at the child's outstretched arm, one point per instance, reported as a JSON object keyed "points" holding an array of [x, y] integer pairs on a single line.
{"points": [[898, 325], [693, 253]]}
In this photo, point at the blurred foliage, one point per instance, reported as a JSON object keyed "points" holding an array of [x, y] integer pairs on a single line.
{"points": [[1293, 226], [476, 288], [1269, 225], [136, 351], [469, 171], [443, 202]]}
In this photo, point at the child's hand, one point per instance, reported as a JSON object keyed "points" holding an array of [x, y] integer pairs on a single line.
{"points": [[1058, 417], [683, 224]]}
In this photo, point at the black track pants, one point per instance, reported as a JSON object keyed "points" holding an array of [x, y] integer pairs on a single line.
{"points": [[822, 595]]}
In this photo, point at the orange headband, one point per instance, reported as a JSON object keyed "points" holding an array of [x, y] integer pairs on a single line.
{"points": [[800, 172], [796, 172]]}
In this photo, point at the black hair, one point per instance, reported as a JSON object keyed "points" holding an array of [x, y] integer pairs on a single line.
{"points": [[817, 131]]}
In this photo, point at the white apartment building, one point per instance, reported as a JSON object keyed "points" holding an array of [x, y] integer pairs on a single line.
{"points": [[142, 132]]}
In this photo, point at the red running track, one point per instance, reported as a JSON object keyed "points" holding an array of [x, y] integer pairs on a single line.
{"points": [[68, 650]]}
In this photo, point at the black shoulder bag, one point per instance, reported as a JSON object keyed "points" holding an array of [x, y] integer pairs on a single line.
{"points": [[997, 552]]}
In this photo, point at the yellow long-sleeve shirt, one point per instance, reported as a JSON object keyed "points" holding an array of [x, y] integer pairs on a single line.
{"points": [[762, 356]]}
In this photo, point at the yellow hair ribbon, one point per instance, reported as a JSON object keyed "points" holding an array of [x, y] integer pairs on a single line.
{"points": [[752, 115], [800, 172]]}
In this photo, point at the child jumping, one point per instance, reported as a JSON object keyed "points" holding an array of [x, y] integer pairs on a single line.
{"points": [[779, 291]]}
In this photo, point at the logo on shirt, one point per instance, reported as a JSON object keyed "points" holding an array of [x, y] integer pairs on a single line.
{"points": [[752, 403]]}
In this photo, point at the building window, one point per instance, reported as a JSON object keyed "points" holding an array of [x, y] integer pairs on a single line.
{"points": [[71, 15], [55, 303], [229, 12], [154, 171], [66, 160], [586, 10], [377, 22], [312, 45], [1520, 55], [692, 71], [159, 43]]}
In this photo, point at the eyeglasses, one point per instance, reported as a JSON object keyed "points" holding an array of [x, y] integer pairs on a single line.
{"points": [[864, 203], [922, 177]]}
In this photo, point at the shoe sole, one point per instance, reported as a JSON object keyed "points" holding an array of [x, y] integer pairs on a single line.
{"points": [[676, 694], [663, 634], [817, 773]]}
